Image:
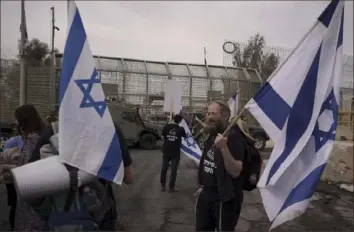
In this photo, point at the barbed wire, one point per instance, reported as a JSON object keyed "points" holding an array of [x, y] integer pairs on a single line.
{"points": [[282, 52]]}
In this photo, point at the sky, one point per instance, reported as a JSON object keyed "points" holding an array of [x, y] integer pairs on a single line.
{"points": [[169, 31]]}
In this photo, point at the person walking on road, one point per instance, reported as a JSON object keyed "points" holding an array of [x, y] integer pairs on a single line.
{"points": [[220, 197], [172, 134]]}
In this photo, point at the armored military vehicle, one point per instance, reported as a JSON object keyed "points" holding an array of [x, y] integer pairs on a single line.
{"points": [[137, 132]]}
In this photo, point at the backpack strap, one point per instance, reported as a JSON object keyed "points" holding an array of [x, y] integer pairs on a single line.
{"points": [[236, 129], [71, 197]]}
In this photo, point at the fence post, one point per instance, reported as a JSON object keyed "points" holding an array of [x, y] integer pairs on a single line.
{"points": [[54, 80], [124, 74], [190, 88], [147, 98]]}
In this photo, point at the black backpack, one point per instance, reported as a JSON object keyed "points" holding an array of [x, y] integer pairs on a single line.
{"points": [[252, 164], [75, 216]]}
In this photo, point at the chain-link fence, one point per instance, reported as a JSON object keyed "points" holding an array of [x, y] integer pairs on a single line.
{"points": [[142, 83], [135, 82], [39, 88]]}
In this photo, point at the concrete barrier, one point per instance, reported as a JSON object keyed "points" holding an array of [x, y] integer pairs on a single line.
{"points": [[339, 169], [344, 133]]}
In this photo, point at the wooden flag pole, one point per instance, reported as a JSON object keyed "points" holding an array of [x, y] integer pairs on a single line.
{"points": [[233, 122], [200, 122]]}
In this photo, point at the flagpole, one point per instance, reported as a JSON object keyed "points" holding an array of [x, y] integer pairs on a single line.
{"points": [[293, 51], [205, 59], [22, 58]]}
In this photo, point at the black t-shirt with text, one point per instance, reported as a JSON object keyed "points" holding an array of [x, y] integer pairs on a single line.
{"points": [[237, 149], [209, 180], [172, 134]]}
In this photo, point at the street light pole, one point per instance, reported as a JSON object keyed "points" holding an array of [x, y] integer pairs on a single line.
{"points": [[53, 58], [53, 33], [54, 93], [22, 57]]}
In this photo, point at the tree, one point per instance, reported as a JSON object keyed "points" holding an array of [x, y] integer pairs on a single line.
{"points": [[37, 53], [253, 56]]}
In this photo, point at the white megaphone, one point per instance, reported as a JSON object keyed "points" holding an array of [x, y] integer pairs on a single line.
{"points": [[46, 176]]}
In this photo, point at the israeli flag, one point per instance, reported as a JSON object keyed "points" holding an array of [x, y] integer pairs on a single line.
{"points": [[189, 146], [87, 137], [298, 108], [233, 104]]}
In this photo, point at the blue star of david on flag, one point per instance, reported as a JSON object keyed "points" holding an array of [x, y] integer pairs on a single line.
{"points": [[85, 86], [190, 140], [330, 111], [298, 107], [97, 153]]}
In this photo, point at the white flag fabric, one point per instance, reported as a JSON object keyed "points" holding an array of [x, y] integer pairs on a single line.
{"points": [[87, 136], [189, 146], [298, 108], [233, 105]]}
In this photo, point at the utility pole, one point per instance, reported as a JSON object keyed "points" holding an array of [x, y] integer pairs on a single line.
{"points": [[53, 33], [54, 93], [22, 60]]}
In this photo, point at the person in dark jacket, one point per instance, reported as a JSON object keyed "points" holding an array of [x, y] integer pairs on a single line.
{"points": [[219, 201]]}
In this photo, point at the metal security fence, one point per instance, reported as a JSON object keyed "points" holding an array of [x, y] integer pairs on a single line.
{"points": [[138, 83], [142, 83], [39, 89], [135, 82]]}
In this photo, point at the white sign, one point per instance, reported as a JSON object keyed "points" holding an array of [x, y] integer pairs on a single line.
{"points": [[173, 97]]}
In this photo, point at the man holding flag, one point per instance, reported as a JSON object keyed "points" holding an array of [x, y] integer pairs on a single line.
{"points": [[298, 108], [219, 202]]}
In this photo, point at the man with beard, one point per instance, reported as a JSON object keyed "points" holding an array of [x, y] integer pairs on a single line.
{"points": [[219, 202]]}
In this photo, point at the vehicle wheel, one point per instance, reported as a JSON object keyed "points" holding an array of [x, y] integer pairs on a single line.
{"points": [[147, 141], [260, 142]]}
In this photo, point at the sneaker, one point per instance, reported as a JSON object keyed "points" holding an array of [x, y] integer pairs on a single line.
{"points": [[163, 188]]}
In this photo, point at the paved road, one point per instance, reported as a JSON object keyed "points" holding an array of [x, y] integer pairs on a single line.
{"points": [[143, 207]]}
